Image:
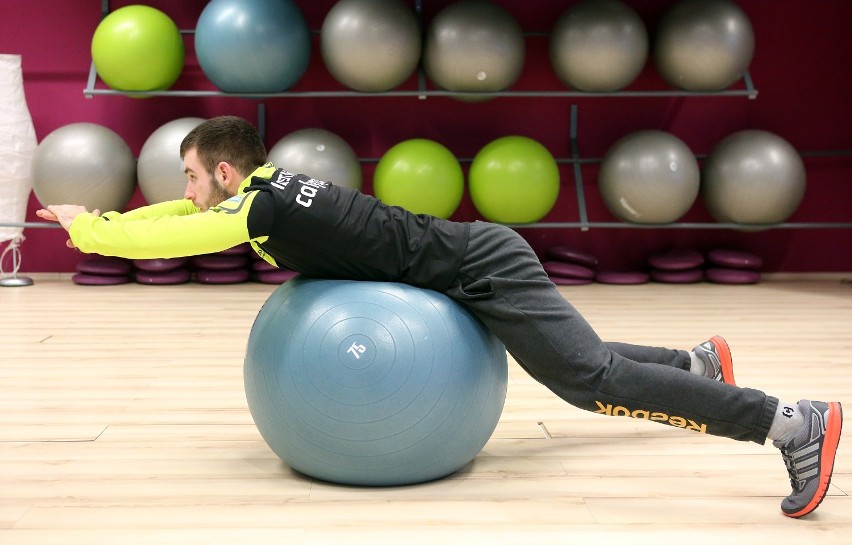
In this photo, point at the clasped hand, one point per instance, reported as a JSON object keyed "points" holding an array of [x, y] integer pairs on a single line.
{"points": [[64, 214]]}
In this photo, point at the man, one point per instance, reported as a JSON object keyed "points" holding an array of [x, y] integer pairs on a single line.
{"points": [[321, 230]]}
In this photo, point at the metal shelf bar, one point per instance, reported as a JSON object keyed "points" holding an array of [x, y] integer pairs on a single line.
{"points": [[90, 91], [586, 225], [578, 175], [30, 224], [684, 225]]}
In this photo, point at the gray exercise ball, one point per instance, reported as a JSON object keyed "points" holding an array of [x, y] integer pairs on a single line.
{"points": [[85, 164], [753, 177], [320, 154], [160, 168], [598, 46], [703, 45], [474, 45], [370, 45], [649, 177]]}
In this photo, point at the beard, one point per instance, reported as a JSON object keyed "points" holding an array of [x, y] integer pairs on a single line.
{"points": [[218, 194]]}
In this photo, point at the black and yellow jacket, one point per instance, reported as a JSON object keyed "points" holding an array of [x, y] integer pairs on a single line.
{"points": [[291, 220]]}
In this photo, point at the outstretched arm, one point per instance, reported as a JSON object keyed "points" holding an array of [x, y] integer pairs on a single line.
{"points": [[159, 231]]}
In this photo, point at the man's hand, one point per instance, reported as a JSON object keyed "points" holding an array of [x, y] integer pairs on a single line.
{"points": [[64, 214]]}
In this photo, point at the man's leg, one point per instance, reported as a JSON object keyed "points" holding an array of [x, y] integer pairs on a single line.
{"points": [[503, 283]]}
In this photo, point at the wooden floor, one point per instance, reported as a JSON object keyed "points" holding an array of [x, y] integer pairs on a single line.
{"points": [[123, 421]]}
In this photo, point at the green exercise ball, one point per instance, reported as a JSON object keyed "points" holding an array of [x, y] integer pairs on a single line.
{"points": [[138, 48], [514, 179], [421, 176]]}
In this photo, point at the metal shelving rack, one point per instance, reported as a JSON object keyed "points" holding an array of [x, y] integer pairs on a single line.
{"points": [[423, 91]]}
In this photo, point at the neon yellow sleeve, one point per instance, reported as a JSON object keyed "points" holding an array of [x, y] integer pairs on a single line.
{"points": [[151, 233], [180, 207]]}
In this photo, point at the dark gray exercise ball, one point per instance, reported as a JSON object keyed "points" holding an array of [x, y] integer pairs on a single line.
{"points": [[649, 177], [370, 45], [598, 46], [474, 45], [159, 167], [85, 164], [703, 45], [753, 177], [320, 154]]}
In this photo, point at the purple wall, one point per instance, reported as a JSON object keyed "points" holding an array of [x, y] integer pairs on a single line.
{"points": [[801, 69]]}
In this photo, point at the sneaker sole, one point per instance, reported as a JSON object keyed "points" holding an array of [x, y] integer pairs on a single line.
{"points": [[829, 450], [725, 359]]}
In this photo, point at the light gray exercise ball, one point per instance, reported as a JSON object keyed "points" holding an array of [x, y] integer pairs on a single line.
{"points": [[649, 177], [703, 45], [753, 177], [370, 45], [160, 168], [474, 45], [85, 164], [598, 46], [320, 154]]}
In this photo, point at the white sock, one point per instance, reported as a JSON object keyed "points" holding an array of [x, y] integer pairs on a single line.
{"points": [[787, 423], [697, 366]]}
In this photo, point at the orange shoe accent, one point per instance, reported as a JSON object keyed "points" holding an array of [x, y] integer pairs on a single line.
{"points": [[827, 453], [725, 359]]}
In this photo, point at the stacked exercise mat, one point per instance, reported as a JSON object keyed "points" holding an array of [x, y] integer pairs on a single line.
{"points": [[569, 266], [232, 266], [564, 265]]}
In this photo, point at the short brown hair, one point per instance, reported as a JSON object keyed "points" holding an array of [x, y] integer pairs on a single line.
{"points": [[226, 138]]}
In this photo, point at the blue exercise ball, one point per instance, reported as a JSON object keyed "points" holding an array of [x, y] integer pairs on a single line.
{"points": [[372, 383], [252, 46]]}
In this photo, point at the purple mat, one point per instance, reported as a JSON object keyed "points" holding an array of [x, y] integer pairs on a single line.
{"points": [[163, 278], [263, 266], [104, 266], [622, 277], [565, 281], [219, 262], [721, 275], [686, 276], [239, 249], [570, 255], [234, 276], [278, 276], [567, 270], [734, 259], [676, 260], [158, 265], [85, 279]]}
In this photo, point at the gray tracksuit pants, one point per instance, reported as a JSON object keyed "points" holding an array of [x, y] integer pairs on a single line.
{"points": [[502, 282]]}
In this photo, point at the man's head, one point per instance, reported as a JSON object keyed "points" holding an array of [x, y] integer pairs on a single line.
{"points": [[217, 155]]}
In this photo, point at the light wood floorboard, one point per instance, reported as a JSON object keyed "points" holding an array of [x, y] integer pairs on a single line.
{"points": [[123, 420]]}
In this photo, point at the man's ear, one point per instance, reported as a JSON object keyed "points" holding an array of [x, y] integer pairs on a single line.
{"points": [[227, 175]]}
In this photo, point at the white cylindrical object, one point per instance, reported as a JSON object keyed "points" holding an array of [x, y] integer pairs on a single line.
{"points": [[17, 146]]}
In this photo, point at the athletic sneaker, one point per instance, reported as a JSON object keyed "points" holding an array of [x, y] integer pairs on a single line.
{"points": [[809, 456], [716, 356]]}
